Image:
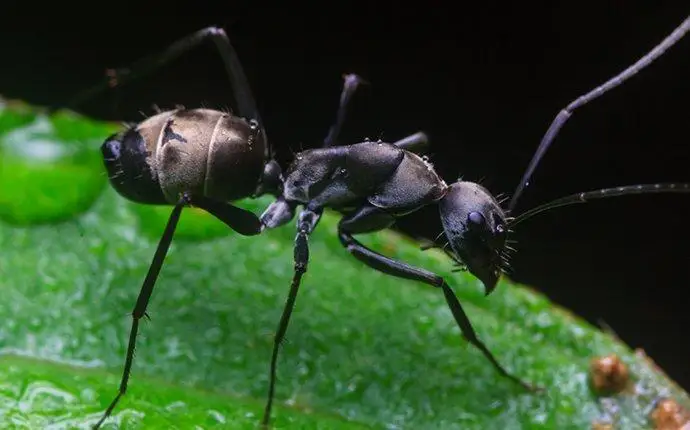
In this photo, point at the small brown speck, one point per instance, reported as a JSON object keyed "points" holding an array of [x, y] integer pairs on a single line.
{"points": [[609, 374], [669, 415], [598, 425]]}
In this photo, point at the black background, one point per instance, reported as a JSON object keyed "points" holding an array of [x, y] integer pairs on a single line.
{"points": [[484, 80]]}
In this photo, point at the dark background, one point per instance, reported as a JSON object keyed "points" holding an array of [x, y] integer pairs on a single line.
{"points": [[483, 80]]}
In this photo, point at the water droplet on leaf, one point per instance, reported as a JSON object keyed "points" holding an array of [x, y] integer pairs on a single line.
{"points": [[50, 166]]}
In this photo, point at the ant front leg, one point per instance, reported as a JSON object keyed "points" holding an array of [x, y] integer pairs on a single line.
{"points": [[307, 221], [368, 219]]}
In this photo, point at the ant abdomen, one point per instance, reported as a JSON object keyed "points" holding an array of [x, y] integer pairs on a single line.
{"points": [[130, 168], [200, 152]]}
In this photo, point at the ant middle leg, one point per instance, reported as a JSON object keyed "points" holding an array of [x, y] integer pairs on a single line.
{"points": [[307, 221]]}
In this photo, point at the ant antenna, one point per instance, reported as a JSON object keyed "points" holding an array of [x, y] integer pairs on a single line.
{"points": [[586, 196], [565, 114]]}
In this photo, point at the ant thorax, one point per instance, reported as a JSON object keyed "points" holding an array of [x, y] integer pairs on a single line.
{"points": [[379, 173]]}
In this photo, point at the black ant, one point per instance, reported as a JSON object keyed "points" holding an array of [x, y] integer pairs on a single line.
{"points": [[207, 158]]}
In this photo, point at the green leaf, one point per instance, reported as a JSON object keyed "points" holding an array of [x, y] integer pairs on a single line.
{"points": [[364, 350]]}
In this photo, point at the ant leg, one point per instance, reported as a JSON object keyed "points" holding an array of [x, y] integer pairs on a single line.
{"points": [[143, 301], [240, 220], [308, 219], [241, 92], [615, 81], [350, 84], [417, 142], [278, 213], [366, 220]]}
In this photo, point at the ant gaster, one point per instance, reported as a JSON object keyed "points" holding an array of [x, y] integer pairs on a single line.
{"points": [[198, 157], [373, 183]]}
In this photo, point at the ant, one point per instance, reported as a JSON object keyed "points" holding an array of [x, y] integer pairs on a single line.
{"points": [[208, 158], [373, 183]]}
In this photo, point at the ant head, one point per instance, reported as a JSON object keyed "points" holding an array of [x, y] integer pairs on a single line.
{"points": [[476, 228]]}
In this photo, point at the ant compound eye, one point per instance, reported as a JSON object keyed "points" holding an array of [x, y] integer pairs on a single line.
{"points": [[476, 219]]}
